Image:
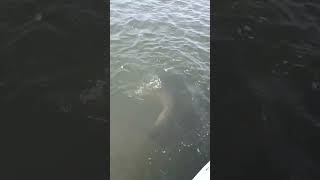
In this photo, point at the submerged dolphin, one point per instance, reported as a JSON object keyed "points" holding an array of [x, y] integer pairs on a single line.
{"points": [[178, 115]]}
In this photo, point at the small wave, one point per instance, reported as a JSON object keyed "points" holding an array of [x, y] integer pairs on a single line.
{"points": [[152, 35]]}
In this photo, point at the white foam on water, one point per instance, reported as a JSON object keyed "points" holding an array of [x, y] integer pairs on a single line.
{"points": [[147, 87]]}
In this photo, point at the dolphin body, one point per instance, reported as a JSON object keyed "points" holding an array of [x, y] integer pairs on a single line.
{"points": [[176, 122], [178, 115]]}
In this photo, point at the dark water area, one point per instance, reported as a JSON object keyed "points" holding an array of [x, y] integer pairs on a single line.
{"points": [[53, 100], [266, 65]]}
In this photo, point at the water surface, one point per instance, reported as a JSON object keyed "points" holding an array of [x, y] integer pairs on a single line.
{"points": [[148, 37]]}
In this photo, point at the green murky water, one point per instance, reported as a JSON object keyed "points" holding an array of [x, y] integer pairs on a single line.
{"points": [[148, 36]]}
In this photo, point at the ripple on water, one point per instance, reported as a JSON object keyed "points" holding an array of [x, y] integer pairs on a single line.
{"points": [[148, 36]]}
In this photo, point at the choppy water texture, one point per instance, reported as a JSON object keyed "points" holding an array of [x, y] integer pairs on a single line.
{"points": [[148, 37]]}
